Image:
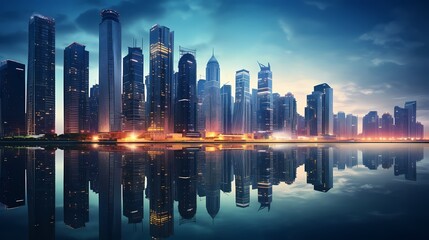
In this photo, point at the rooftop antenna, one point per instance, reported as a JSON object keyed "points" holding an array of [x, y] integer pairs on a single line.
{"points": [[212, 51]]}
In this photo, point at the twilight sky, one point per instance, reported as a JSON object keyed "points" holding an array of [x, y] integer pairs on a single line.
{"points": [[374, 53]]}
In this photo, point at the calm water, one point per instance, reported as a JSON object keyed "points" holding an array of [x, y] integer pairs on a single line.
{"points": [[338, 191]]}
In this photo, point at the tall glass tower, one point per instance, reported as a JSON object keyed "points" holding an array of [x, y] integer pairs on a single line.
{"points": [[265, 99], [226, 108], [242, 106], [41, 75], [290, 123], [327, 108], [186, 97], [212, 96], [161, 74], [110, 102], [76, 84], [133, 98]]}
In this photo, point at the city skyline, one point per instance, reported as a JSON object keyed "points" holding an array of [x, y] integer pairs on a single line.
{"points": [[386, 32]]}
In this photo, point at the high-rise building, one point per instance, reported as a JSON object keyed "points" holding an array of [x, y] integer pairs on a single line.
{"points": [[412, 116], [254, 110], [201, 117], [110, 101], [313, 113], [160, 77], [94, 96], [242, 106], [212, 102], [387, 127], [370, 124], [401, 122], [265, 99], [278, 112], [226, 108], [186, 97], [340, 125], [301, 125], [290, 115], [420, 133], [351, 126], [12, 98], [133, 105], [76, 85], [327, 108], [41, 75]]}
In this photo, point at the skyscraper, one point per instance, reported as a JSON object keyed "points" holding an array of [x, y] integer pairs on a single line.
{"points": [[226, 108], [133, 98], [412, 108], [387, 129], [351, 126], [76, 84], [313, 113], [401, 122], [265, 99], [94, 95], [201, 117], [327, 108], [290, 115], [340, 125], [278, 112], [370, 124], [211, 102], [41, 75], [186, 102], [242, 106], [254, 110], [161, 73], [110, 102], [12, 98]]}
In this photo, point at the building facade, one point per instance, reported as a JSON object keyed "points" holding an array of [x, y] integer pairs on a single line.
{"points": [[265, 99], [242, 106], [212, 103]]}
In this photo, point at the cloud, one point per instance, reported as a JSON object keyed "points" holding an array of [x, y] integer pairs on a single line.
{"points": [[381, 61], [319, 5], [287, 30]]}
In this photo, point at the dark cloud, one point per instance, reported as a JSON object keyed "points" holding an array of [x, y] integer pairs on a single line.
{"points": [[13, 39], [89, 20]]}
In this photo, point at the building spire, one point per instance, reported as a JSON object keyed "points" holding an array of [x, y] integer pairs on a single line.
{"points": [[212, 51]]}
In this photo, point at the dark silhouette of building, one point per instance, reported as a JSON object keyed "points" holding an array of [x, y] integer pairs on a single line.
{"points": [[254, 110], [370, 125], [420, 133], [161, 78], [133, 105], [12, 177], [387, 127], [94, 96], [76, 188], [411, 106], [109, 72], [226, 109], [12, 98], [319, 168], [227, 173], [265, 176], [41, 193], [186, 183], [213, 180], [265, 99], [313, 114], [401, 122], [186, 98], [242, 177], [278, 112], [76, 85], [41, 75], [327, 108]]}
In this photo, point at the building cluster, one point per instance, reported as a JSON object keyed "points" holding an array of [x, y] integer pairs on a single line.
{"points": [[167, 102], [403, 124]]}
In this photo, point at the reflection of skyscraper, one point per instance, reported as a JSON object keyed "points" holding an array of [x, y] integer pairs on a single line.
{"points": [[265, 99], [133, 108], [161, 74], [242, 106], [212, 102], [93, 173], [242, 177], [405, 162], [109, 195], [110, 101], [76, 80], [319, 168], [12, 177], [265, 176], [41, 193], [186, 183], [76, 190], [41, 75], [12, 98], [133, 181], [201, 169], [227, 171], [161, 194], [213, 181], [371, 158]]}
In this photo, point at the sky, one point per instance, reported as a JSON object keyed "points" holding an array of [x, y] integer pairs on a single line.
{"points": [[373, 53]]}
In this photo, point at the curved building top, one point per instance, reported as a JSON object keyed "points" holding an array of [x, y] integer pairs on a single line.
{"points": [[109, 14]]}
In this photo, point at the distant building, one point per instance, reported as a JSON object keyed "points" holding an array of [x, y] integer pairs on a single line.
{"points": [[401, 122], [254, 110], [133, 105], [420, 134], [387, 127], [94, 96], [278, 112], [411, 106], [313, 114], [226, 109], [41, 76], [201, 117], [242, 122], [12, 98], [290, 115], [265, 99], [76, 86], [340, 125], [370, 124], [351, 126]]}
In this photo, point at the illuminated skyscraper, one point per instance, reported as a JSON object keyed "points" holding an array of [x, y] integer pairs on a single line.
{"points": [[212, 102], [76, 85], [254, 110], [290, 117], [226, 108], [186, 97], [242, 106], [133, 98], [313, 114], [12, 98], [110, 102], [94, 96], [265, 99], [160, 77], [41, 75], [327, 108]]}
